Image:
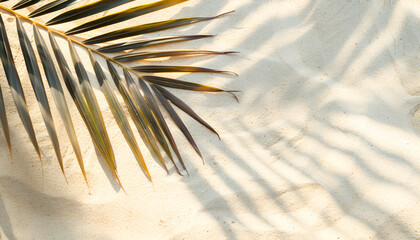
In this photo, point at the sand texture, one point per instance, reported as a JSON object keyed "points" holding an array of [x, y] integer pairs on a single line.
{"points": [[323, 144]]}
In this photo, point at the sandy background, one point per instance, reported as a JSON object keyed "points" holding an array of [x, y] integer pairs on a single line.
{"points": [[324, 143]]}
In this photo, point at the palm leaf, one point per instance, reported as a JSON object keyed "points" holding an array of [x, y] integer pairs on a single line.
{"points": [[50, 7], [93, 113], [141, 94], [147, 28], [124, 15], [169, 68], [177, 120], [118, 113], [86, 10], [37, 85], [179, 84], [148, 43], [152, 126], [160, 54], [58, 95], [94, 125], [24, 3], [16, 86], [136, 114], [160, 119], [184, 107]]}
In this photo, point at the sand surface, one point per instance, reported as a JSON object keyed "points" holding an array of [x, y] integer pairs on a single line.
{"points": [[324, 143]]}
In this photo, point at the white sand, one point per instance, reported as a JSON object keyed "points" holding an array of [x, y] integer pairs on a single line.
{"points": [[324, 143]]}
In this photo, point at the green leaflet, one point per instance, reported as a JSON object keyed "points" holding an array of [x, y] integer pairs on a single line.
{"points": [[15, 86], [151, 101], [136, 114], [51, 7], [147, 28], [184, 107], [169, 68], [38, 87], [58, 95], [24, 3], [93, 122], [148, 43], [179, 84], [86, 10], [159, 54], [153, 126], [175, 117], [118, 113], [124, 15], [94, 113]]}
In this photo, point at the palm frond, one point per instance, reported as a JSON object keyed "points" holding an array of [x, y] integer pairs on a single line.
{"points": [[143, 95]]}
